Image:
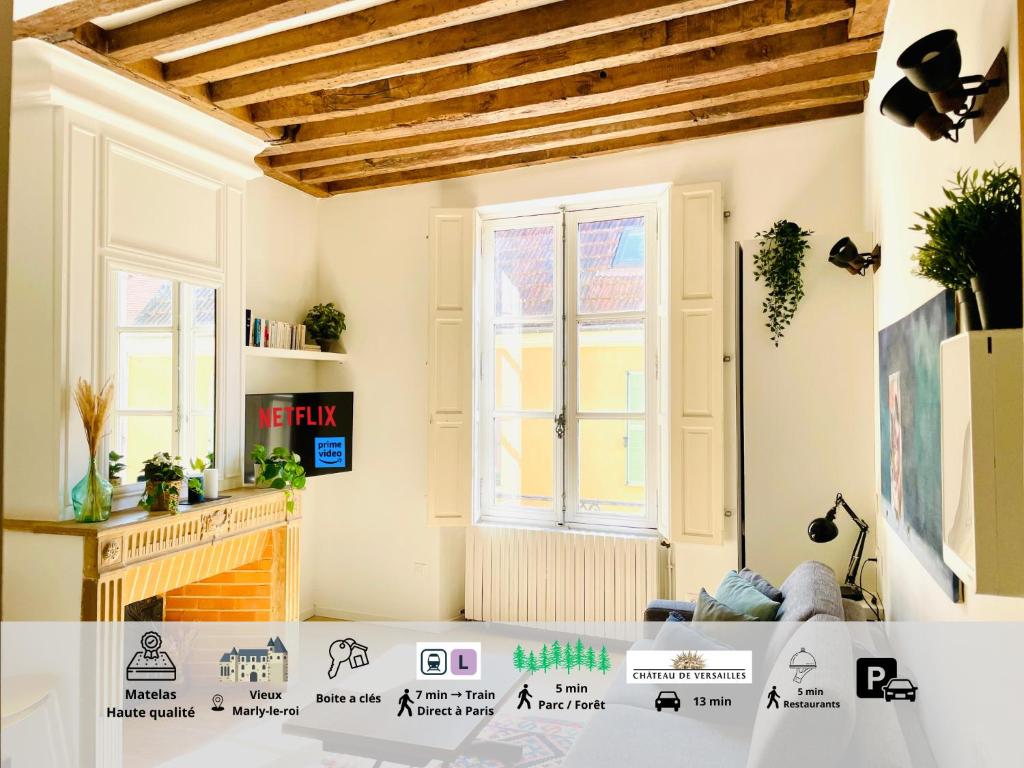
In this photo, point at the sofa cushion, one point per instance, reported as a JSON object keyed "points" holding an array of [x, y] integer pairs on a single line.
{"points": [[709, 609], [810, 589], [743, 597], [762, 585]]}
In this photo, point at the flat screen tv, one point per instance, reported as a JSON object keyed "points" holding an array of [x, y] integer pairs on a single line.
{"points": [[315, 425]]}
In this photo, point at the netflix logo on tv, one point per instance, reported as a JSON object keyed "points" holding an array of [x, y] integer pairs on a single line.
{"points": [[315, 425]]}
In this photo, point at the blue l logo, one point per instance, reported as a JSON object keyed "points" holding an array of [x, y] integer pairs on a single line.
{"points": [[329, 452]]}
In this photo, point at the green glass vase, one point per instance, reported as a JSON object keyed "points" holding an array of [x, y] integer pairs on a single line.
{"points": [[92, 496]]}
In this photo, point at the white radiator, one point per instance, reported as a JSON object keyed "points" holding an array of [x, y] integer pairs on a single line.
{"points": [[514, 574]]}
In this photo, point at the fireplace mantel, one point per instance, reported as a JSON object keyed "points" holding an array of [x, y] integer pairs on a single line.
{"points": [[138, 554]]}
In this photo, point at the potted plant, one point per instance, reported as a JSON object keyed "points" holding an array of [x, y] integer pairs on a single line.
{"points": [[164, 477], [115, 466], [325, 322], [92, 496], [196, 485], [279, 468], [974, 247], [779, 263]]}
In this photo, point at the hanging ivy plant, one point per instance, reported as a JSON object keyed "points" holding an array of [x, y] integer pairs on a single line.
{"points": [[779, 263]]}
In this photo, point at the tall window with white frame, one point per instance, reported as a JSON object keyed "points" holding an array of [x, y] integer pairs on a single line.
{"points": [[568, 365], [164, 345]]}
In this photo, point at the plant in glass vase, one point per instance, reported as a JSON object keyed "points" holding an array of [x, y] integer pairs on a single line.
{"points": [[325, 322], [164, 478], [92, 496], [279, 468]]}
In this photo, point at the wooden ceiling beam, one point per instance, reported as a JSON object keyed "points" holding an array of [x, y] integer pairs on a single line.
{"points": [[485, 39], [687, 118], [855, 70], [312, 188], [60, 19], [86, 42], [761, 18], [201, 22], [400, 18], [868, 18], [701, 69], [540, 157]]}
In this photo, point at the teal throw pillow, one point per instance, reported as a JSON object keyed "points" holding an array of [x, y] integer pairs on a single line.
{"points": [[743, 597]]}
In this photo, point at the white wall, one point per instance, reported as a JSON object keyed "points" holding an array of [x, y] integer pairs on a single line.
{"points": [[906, 173], [280, 278], [373, 262]]}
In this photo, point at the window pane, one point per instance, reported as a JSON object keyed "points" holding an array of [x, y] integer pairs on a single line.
{"points": [[524, 272], [611, 356], [202, 436], [139, 437], [611, 256], [204, 306], [145, 372], [608, 448], [524, 368], [524, 463], [204, 373], [144, 301]]}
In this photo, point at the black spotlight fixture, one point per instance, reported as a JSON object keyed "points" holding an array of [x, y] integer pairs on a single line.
{"points": [[933, 88], [824, 529], [845, 254]]}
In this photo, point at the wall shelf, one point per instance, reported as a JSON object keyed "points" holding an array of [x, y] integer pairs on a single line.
{"points": [[296, 354]]}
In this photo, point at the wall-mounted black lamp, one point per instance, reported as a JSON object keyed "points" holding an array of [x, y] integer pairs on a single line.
{"points": [[933, 88], [824, 529], [845, 254]]}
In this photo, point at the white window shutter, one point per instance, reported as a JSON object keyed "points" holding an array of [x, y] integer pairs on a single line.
{"points": [[450, 363], [696, 340]]}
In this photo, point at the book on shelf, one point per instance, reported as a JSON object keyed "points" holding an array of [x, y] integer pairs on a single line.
{"points": [[273, 334]]}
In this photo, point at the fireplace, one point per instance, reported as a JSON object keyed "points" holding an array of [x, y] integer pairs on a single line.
{"points": [[234, 559]]}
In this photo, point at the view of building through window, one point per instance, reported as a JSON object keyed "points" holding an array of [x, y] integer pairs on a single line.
{"points": [[165, 344], [599, 460]]}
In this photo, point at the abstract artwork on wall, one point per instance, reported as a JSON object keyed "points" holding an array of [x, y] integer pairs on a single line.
{"points": [[910, 421]]}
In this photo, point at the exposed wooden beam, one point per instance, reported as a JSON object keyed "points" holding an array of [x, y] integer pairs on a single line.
{"points": [[526, 30], [201, 22], [790, 83], [62, 18], [842, 94], [541, 157], [868, 18], [85, 41], [701, 69], [371, 26], [761, 18], [312, 188]]}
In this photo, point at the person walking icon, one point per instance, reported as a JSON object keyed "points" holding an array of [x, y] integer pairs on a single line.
{"points": [[524, 697], [773, 698], [403, 704]]}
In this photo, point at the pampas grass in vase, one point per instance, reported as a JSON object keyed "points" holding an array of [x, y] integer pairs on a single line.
{"points": [[92, 495]]}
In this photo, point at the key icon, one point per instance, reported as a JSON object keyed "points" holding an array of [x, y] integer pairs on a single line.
{"points": [[340, 651]]}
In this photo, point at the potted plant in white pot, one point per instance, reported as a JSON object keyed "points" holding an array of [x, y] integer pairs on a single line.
{"points": [[324, 323], [974, 247]]}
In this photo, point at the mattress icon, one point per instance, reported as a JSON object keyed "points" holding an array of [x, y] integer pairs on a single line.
{"points": [[151, 664]]}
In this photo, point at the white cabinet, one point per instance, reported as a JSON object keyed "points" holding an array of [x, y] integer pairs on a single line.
{"points": [[982, 459]]}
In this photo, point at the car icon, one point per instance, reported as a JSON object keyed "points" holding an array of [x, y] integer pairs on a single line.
{"points": [[667, 699], [900, 688]]}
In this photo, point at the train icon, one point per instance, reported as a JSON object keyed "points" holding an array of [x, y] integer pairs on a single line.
{"points": [[433, 661]]}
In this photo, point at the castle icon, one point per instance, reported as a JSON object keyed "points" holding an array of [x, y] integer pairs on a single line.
{"points": [[256, 665]]}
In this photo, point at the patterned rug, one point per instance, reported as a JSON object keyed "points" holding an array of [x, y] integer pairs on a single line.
{"points": [[545, 742]]}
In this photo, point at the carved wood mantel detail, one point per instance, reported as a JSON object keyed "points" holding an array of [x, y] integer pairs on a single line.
{"points": [[137, 554]]}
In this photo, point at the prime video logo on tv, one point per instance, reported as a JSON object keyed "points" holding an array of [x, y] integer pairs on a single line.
{"points": [[329, 452]]}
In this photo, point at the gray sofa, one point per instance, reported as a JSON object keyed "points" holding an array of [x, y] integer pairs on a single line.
{"points": [[811, 589]]}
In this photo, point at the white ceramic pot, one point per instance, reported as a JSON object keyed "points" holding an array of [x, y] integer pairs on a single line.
{"points": [[211, 483]]}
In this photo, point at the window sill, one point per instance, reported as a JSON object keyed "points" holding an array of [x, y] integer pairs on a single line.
{"points": [[625, 531]]}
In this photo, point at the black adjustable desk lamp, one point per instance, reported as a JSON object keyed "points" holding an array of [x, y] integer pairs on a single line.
{"points": [[823, 529]]}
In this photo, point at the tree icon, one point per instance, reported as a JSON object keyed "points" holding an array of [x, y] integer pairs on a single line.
{"points": [[570, 658], [545, 658], [531, 662], [519, 658], [591, 658], [556, 654], [579, 653], [604, 664]]}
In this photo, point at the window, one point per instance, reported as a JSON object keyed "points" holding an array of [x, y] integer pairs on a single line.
{"points": [[164, 350], [568, 349]]}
